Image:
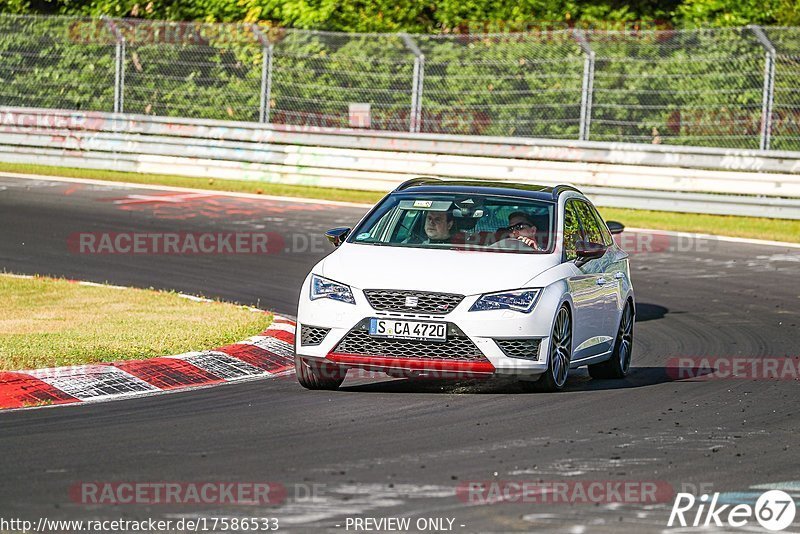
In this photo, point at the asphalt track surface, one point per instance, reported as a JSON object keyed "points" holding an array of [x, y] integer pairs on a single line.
{"points": [[390, 448]]}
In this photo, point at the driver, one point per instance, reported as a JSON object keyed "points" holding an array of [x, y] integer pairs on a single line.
{"points": [[438, 226], [521, 227]]}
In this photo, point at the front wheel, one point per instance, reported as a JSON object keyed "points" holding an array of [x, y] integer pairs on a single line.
{"points": [[559, 356], [318, 375], [619, 363]]}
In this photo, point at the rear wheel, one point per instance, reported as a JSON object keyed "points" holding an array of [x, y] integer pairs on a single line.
{"points": [[318, 375], [559, 356], [619, 363]]}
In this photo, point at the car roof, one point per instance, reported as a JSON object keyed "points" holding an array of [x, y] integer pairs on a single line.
{"points": [[466, 186]]}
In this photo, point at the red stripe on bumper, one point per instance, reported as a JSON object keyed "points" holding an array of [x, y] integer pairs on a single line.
{"points": [[416, 364], [18, 390], [168, 373]]}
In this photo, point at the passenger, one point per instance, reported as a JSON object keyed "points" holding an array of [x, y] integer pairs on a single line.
{"points": [[521, 227]]}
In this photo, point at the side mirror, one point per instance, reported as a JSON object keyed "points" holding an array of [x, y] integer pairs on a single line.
{"points": [[615, 227], [588, 251], [337, 235]]}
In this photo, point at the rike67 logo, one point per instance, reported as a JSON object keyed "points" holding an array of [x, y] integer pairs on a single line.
{"points": [[774, 510]]}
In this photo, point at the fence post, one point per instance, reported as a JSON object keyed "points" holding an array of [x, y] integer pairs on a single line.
{"points": [[768, 92], [266, 74], [416, 84], [119, 71], [587, 88]]}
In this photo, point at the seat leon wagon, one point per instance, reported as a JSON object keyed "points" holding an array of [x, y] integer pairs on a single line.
{"points": [[466, 279]]}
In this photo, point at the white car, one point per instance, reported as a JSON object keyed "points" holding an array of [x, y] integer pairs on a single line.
{"points": [[465, 279]]}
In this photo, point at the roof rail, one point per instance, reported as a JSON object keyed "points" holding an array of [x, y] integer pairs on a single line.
{"points": [[560, 188], [416, 181]]}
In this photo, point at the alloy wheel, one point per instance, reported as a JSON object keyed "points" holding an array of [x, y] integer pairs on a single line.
{"points": [[561, 347]]}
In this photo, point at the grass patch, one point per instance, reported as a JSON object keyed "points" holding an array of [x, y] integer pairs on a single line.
{"points": [[751, 227], [48, 322]]}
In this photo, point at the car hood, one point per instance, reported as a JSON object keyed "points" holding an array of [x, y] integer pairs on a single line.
{"points": [[447, 271]]}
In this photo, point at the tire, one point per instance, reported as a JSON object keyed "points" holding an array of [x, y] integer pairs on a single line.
{"points": [[558, 360], [618, 365], [318, 375]]}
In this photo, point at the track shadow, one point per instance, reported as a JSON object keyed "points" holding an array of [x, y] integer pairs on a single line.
{"points": [[649, 312], [579, 380]]}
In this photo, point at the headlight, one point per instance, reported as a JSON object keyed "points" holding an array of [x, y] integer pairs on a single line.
{"points": [[322, 288], [522, 300]]}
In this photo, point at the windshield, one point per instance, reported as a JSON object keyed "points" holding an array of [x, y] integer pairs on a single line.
{"points": [[458, 221]]}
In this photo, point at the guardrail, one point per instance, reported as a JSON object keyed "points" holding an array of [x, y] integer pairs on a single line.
{"points": [[701, 180]]}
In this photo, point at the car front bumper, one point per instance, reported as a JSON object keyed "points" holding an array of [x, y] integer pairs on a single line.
{"points": [[479, 334]]}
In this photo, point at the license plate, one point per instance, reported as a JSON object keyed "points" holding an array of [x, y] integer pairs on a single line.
{"points": [[408, 329]]}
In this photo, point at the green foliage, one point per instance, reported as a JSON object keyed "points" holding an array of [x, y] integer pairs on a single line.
{"points": [[15, 6], [43, 67], [692, 88], [432, 15], [710, 13], [678, 87], [505, 85], [687, 88]]}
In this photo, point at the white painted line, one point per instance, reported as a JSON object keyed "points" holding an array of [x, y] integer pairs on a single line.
{"points": [[173, 199], [194, 298], [712, 237], [788, 486], [95, 284], [299, 200]]}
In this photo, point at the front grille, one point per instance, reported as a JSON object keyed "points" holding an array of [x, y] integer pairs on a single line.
{"points": [[312, 335], [457, 347], [396, 301], [527, 349]]}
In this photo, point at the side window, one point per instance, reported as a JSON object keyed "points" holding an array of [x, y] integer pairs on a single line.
{"points": [[379, 229], [608, 240], [572, 230], [590, 225], [405, 227]]}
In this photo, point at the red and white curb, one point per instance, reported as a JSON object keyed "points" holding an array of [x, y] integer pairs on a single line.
{"points": [[268, 354]]}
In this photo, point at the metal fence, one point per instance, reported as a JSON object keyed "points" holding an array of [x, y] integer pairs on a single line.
{"points": [[730, 87]]}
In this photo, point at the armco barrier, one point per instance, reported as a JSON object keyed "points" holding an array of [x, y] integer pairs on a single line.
{"points": [[707, 180]]}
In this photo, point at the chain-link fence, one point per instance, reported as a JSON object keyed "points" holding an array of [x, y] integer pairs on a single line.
{"points": [[727, 87], [43, 64]]}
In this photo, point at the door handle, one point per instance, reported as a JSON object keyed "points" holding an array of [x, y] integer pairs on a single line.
{"points": [[601, 281], [619, 275]]}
